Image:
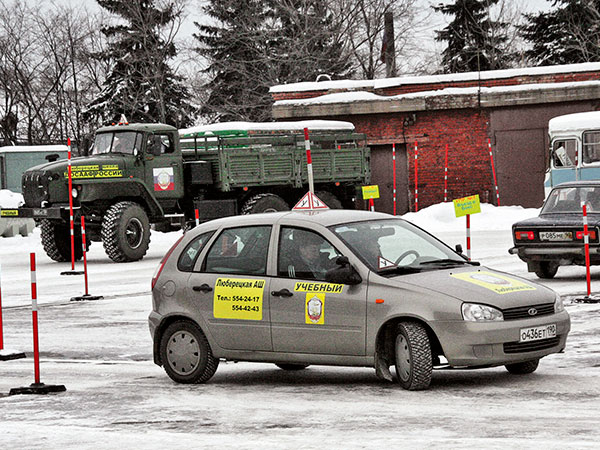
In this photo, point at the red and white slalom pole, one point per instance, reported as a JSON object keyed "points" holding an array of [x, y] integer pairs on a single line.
{"points": [[586, 241], [416, 177], [197, 214], [494, 172], [84, 249], [34, 314], [71, 221], [446, 176], [371, 204], [394, 171], [468, 216], [311, 182]]}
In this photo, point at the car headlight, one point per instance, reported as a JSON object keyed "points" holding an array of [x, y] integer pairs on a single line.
{"points": [[558, 304], [474, 312]]}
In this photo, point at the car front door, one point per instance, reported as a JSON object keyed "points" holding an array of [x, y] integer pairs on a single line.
{"points": [[231, 289], [309, 315]]}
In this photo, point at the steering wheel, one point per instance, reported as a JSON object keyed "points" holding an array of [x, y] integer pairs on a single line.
{"points": [[405, 254]]}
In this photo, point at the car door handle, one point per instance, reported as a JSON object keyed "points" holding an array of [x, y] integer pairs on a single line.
{"points": [[202, 288], [282, 293]]}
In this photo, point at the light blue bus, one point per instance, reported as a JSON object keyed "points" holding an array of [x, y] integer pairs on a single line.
{"points": [[574, 148]]}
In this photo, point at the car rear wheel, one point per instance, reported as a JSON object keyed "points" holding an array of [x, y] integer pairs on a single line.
{"points": [[523, 368], [414, 363], [186, 354], [546, 269], [292, 366]]}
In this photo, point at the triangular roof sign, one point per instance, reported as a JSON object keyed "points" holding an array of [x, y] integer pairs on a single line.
{"points": [[385, 263], [309, 202]]}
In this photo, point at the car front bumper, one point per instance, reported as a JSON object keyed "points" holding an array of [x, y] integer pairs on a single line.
{"points": [[481, 344]]}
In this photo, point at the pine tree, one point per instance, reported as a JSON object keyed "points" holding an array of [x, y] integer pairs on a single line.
{"points": [[256, 44], [141, 84], [568, 34], [475, 42]]}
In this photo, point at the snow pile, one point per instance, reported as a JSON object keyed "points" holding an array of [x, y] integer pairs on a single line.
{"points": [[442, 217], [9, 199]]}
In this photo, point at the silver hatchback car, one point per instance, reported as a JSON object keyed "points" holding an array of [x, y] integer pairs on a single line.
{"points": [[338, 287]]}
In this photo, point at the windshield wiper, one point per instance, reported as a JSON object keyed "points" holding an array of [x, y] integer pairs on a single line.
{"points": [[398, 270], [448, 261]]}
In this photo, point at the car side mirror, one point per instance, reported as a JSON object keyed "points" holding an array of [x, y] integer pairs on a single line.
{"points": [[344, 273], [459, 249]]}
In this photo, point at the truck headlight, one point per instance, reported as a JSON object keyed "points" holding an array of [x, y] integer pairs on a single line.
{"points": [[474, 312], [74, 193], [558, 304]]}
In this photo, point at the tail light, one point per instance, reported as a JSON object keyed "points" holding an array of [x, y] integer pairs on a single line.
{"points": [[591, 234], [164, 261], [524, 235]]}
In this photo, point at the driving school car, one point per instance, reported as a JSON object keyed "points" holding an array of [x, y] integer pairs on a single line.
{"points": [[337, 287]]}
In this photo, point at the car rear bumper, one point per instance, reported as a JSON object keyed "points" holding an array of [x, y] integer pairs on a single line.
{"points": [[480, 344]]}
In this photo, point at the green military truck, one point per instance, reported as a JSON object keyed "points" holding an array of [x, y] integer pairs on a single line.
{"points": [[136, 175]]}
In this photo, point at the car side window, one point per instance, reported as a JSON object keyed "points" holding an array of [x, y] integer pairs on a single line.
{"points": [[304, 254], [241, 250], [187, 259]]}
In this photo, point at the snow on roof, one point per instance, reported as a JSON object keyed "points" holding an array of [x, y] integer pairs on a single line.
{"points": [[349, 97], [33, 148], [448, 78], [271, 126], [575, 122]]}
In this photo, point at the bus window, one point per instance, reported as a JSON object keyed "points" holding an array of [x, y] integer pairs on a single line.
{"points": [[591, 147], [564, 152]]}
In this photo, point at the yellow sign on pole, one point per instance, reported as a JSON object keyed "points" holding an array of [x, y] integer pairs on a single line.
{"points": [[369, 192], [467, 205]]}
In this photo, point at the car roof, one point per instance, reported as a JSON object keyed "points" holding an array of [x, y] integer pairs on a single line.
{"points": [[325, 218], [594, 183]]}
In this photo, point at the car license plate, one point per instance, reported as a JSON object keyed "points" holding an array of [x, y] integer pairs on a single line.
{"points": [[537, 333], [556, 235]]}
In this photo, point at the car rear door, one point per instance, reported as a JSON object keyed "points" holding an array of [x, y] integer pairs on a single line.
{"points": [[309, 315]]}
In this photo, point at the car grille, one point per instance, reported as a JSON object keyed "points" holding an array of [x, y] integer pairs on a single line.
{"points": [[522, 312], [35, 188], [524, 347]]}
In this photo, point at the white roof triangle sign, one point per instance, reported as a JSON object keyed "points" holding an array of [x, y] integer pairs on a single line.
{"points": [[310, 201], [385, 263]]}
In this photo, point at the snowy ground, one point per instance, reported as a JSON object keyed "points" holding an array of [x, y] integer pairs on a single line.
{"points": [[116, 397]]}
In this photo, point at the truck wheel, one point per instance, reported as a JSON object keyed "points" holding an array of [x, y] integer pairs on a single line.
{"points": [[414, 364], [523, 368], [264, 203], [546, 269], [186, 354], [56, 241], [125, 232], [329, 199]]}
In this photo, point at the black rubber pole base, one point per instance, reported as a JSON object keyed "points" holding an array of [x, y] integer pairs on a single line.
{"points": [[587, 299], [86, 297], [38, 389], [7, 355], [72, 272]]}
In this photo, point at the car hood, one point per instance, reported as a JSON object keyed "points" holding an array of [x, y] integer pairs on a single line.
{"points": [[480, 285]]}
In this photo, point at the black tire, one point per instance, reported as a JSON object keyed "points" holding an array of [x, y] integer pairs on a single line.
{"points": [[292, 367], [56, 240], [523, 368], [185, 353], [125, 232], [414, 363], [546, 269], [263, 203], [329, 199]]}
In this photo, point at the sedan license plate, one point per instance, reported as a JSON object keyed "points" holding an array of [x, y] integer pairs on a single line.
{"points": [[556, 235], [537, 333]]}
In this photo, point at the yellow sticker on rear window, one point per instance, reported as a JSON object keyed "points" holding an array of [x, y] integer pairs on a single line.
{"points": [[318, 287], [500, 284], [238, 298]]}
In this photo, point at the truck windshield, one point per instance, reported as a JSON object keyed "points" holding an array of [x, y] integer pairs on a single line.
{"points": [[124, 142]]}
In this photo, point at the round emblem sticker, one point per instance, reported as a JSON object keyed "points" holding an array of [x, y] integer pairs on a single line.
{"points": [[314, 309], [164, 180]]}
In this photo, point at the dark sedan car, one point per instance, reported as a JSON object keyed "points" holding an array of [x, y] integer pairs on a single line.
{"points": [[555, 238]]}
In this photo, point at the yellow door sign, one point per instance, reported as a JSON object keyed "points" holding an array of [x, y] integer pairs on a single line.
{"points": [[238, 298], [500, 284]]}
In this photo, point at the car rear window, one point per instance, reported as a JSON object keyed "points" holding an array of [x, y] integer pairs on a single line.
{"points": [[188, 257]]}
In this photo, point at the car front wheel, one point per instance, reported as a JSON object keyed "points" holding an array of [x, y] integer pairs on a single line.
{"points": [[414, 363], [186, 354], [523, 368]]}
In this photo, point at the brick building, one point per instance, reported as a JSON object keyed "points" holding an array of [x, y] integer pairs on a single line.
{"points": [[511, 108]]}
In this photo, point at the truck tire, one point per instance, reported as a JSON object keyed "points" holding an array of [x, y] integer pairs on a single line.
{"points": [[263, 203], [414, 363], [56, 241], [125, 232], [329, 199]]}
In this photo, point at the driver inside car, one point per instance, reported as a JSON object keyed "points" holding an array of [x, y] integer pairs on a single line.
{"points": [[302, 256]]}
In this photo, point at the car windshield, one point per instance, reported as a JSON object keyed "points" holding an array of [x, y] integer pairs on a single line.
{"points": [[394, 246], [570, 199], [124, 142]]}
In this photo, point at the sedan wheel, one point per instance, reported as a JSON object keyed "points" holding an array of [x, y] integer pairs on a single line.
{"points": [[414, 364], [523, 368]]}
